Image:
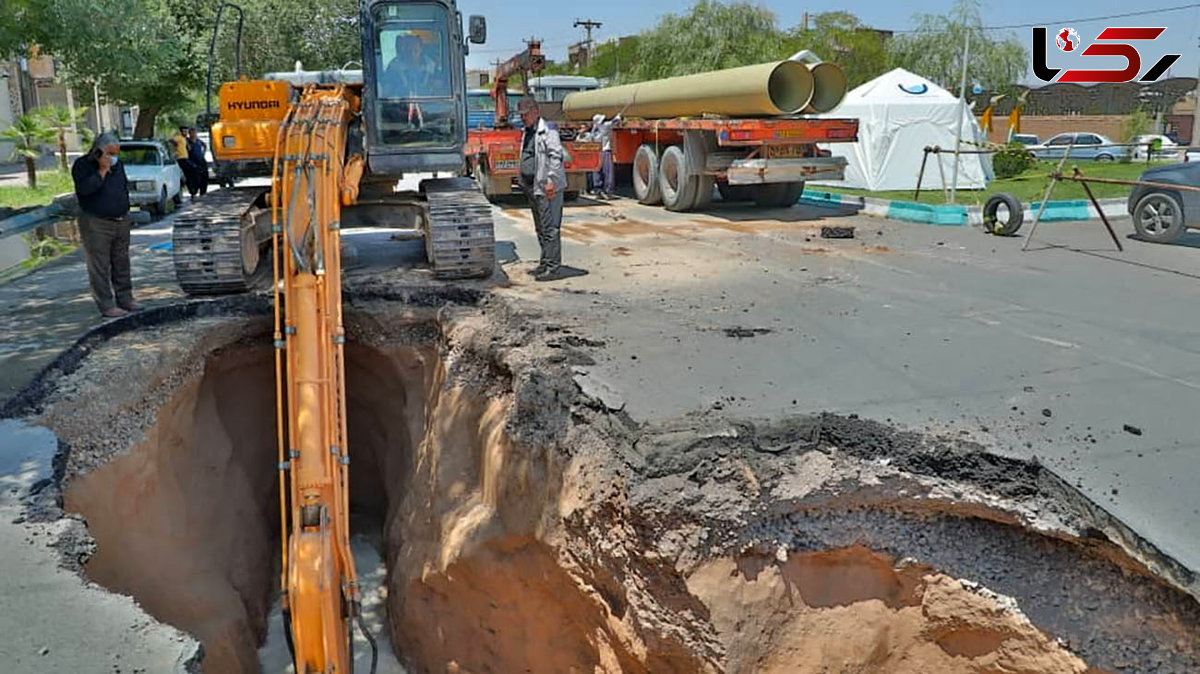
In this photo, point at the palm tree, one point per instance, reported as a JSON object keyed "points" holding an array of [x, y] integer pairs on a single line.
{"points": [[61, 120], [28, 133]]}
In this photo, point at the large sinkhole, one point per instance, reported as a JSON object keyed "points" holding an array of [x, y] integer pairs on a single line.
{"points": [[504, 522], [188, 521]]}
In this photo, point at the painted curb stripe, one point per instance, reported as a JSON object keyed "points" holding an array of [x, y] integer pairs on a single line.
{"points": [[908, 211]]}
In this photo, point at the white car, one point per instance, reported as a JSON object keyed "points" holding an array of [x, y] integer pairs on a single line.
{"points": [[154, 177], [1168, 150]]}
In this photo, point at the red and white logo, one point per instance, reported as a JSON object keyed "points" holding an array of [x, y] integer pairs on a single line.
{"points": [[1110, 42], [1067, 39]]}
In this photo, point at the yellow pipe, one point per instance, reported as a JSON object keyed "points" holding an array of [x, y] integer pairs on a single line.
{"points": [[829, 86], [777, 88]]}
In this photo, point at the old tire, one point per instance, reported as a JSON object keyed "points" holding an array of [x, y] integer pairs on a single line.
{"points": [[777, 195], [678, 188], [1002, 214], [733, 192], [645, 176], [1158, 217]]}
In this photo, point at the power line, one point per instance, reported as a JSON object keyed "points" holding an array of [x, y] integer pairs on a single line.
{"points": [[1097, 18], [1124, 15]]}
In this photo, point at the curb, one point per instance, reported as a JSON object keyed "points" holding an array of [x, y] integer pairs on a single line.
{"points": [[960, 215]]}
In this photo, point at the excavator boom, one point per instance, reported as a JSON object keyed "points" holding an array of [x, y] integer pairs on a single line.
{"points": [[311, 176]]}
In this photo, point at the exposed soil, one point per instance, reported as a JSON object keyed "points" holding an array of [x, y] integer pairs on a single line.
{"points": [[529, 525]]}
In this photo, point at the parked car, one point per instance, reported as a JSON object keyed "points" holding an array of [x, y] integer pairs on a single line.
{"points": [[1087, 146], [1159, 214], [1026, 139], [1168, 149], [154, 177]]}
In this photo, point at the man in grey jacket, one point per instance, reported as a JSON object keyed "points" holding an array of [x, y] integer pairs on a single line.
{"points": [[544, 180]]}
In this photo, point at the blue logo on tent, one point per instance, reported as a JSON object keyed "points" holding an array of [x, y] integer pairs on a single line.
{"points": [[918, 90]]}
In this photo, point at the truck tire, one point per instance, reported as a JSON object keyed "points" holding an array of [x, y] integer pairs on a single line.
{"points": [[704, 191], [777, 195], [994, 222], [645, 176], [733, 192], [1158, 217], [678, 188]]}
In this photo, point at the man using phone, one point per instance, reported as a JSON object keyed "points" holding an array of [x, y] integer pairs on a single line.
{"points": [[103, 194]]}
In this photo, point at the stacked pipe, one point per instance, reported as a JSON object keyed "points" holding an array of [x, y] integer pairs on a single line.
{"points": [[767, 89]]}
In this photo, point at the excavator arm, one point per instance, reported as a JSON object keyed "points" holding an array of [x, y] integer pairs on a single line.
{"points": [[530, 61], [312, 179]]}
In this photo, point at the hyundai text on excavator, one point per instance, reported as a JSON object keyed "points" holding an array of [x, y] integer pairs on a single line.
{"points": [[335, 144]]}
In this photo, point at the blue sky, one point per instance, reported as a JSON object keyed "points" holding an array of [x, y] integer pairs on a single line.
{"points": [[510, 22]]}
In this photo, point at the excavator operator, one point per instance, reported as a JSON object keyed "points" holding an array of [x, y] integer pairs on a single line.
{"points": [[413, 73]]}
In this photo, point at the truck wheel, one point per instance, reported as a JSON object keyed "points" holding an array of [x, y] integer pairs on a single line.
{"points": [[678, 188], [733, 192], [777, 195], [704, 191], [485, 181], [645, 176], [1006, 222], [1158, 217]]}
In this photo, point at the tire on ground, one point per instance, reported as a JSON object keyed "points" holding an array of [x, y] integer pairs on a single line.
{"points": [[645, 176], [991, 211], [777, 195], [677, 187], [1158, 217]]}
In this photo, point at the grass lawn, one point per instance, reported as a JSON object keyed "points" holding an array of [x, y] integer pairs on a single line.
{"points": [[1027, 187], [51, 183]]}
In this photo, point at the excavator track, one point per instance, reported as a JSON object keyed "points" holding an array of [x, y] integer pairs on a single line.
{"points": [[215, 245], [460, 240]]}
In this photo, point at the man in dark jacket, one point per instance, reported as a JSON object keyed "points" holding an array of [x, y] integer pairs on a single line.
{"points": [[103, 194], [198, 180]]}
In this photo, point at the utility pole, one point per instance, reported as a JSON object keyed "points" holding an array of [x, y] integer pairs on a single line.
{"points": [[1195, 141], [588, 25], [962, 96]]}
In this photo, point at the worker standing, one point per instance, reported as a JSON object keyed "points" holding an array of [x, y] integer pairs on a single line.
{"points": [[543, 180], [103, 195], [198, 181], [180, 143], [605, 179]]}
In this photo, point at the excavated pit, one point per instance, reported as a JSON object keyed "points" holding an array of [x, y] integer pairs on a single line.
{"points": [[525, 526]]}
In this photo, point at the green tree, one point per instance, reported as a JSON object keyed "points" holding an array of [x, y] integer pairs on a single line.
{"points": [[28, 134], [935, 50], [839, 37], [711, 36], [154, 53], [60, 120]]}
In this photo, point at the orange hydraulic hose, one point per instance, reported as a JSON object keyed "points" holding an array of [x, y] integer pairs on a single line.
{"points": [[276, 229]]}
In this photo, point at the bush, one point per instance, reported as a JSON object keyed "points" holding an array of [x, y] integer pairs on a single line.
{"points": [[1012, 161]]}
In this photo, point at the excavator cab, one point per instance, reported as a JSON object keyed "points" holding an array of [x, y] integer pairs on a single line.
{"points": [[414, 89]]}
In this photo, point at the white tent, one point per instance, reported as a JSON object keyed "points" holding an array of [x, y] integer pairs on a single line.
{"points": [[899, 115]]}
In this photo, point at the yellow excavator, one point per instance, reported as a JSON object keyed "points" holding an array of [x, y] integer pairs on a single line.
{"points": [[334, 144]]}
